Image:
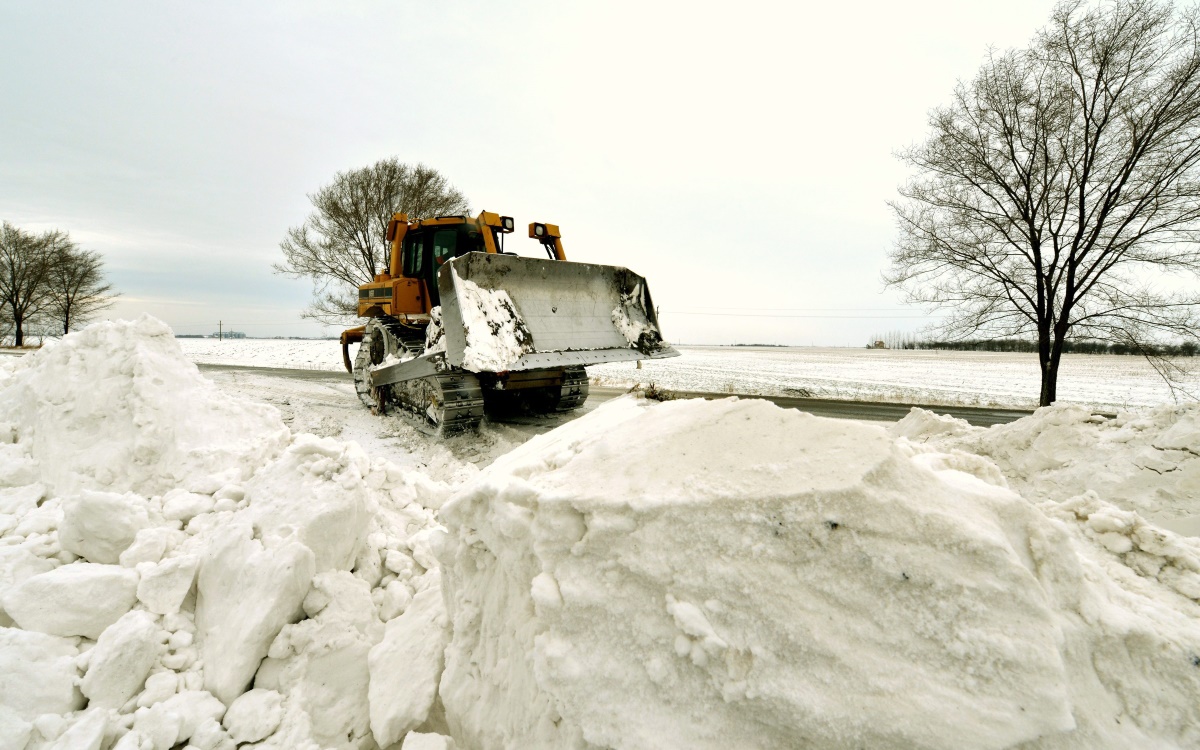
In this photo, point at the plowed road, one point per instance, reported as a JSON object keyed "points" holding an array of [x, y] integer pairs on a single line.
{"points": [[869, 411]]}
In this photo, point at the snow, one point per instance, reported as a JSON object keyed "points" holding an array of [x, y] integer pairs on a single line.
{"points": [[700, 574], [1106, 382], [126, 413], [496, 335], [832, 592], [246, 593], [37, 674], [406, 667]]}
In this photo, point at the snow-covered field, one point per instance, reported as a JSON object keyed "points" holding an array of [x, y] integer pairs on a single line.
{"points": [[922, 377], [182, 567]]}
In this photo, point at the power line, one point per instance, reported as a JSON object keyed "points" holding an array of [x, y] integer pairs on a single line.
{"points": [[818, 317]]}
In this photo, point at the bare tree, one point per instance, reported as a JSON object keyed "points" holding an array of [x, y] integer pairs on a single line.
{"points": [[76, 287], [1059, 189], [25, 262], [342, 243]]}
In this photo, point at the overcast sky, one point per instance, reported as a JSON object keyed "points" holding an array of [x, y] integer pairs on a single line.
{"points": [[739, 155]]}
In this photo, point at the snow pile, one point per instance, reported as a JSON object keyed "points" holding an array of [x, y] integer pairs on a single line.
{"points": [[730, 574], [496, 335], [117, 407], [177, 569], [1146, 461]]}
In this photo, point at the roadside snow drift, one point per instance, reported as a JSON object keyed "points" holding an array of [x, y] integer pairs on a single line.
{"points": [[732, 574], [178, 570]]}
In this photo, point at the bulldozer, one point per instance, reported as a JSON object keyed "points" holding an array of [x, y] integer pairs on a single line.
{"points": [[458, 328]]}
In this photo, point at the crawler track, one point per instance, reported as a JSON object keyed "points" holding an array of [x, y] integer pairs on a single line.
{"points": [[442, 404]]}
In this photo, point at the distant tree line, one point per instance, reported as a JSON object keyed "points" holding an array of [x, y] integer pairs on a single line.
{"points": [[901, 340], [47, 283]]}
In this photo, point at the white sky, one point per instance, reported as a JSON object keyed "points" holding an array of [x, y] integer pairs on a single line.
{"points": [[738, 155]]}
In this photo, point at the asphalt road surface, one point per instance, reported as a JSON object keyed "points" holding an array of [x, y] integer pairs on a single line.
{"points": [[863, 410]]}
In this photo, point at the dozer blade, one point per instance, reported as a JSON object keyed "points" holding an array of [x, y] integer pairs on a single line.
{"points": [[505, 312]]}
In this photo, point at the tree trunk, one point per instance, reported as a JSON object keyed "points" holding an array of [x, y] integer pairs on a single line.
{"points": [[1049, 380], [1050, 349], [18, 333]]}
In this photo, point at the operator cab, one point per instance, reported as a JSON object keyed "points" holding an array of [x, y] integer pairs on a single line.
{"points": [[427, 249]]}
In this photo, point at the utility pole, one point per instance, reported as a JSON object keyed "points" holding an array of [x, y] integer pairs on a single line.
{"points": [[220, 330]]}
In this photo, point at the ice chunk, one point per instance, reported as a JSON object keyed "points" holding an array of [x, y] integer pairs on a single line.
{"points": [[37, 674], [77, 599], [99, 526], [121, 660], [254, 716], [406, 667], [246, 593]]}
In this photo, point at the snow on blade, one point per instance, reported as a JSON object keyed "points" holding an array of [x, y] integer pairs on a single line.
{"points": [[496, 336]]}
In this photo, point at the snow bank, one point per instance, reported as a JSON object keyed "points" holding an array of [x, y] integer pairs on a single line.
{"points": [[730, 574]]}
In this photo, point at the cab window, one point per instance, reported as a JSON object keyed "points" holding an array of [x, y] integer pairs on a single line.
{"points": [[444, 243], [414, 256]]}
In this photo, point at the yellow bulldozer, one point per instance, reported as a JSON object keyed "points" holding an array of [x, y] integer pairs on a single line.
{"points": [[459, 328]]}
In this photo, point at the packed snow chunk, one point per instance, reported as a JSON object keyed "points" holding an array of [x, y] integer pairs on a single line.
{"points": [[86, 733], [121, 660], [246, 593], [420, 741], [77, 599], [496, 334], [37, 675], [731, 574], [316, 491], [254, 715], [406, 667], [99, 526], [177, 718], [118, 407], [320, 665], [164, 586], [181, 505]]}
